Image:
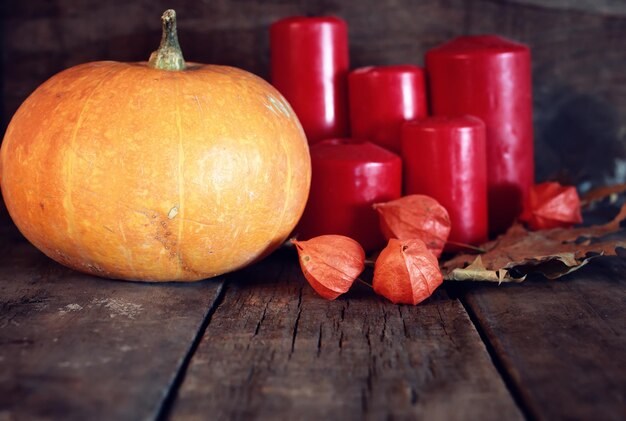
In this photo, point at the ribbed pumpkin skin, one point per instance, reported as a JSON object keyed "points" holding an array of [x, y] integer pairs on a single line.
{"points": [[128, 172]]}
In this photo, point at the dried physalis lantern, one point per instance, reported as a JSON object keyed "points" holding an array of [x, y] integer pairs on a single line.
{"points": [[551, 205], [330, 263], [406, 272], [415, 217]]}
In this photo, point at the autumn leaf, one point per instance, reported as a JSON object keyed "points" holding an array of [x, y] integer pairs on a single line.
{"points": [[330, 263], [477, 271], [415, 217], [551, 205], [406, 272], [552, 253], [601, 193]]}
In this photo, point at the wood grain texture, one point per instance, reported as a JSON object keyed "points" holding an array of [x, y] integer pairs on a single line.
{"points": [[75, 347], [276, 350], [562, 342], [609, 7]]}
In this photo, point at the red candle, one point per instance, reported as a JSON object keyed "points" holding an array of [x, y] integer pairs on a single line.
{"points": [[489, 77], [446, 158], [350, 175], [382, 98], [309, 66]]}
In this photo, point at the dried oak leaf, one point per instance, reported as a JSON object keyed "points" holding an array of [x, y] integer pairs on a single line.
{"points": [[601, 193], [406, 272], [330, 263], [551, 205], [552, 253], [415, 216]]}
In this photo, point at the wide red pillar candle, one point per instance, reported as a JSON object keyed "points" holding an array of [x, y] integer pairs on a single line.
{"points": [[309, 66], [348, 176], [490, 77], [446, 158], [382, 98]]}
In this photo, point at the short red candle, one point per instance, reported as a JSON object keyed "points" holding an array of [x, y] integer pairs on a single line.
{"points": [[309, 66], [446, 158], [382, 98], [489, 77], [348, 176]]}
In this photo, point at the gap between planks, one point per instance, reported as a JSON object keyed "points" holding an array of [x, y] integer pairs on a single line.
{"points": [[172, 391], [498, 363], [272, 345]]}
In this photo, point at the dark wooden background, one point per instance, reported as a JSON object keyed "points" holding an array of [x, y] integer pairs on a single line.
{"points": [[579, 54]]}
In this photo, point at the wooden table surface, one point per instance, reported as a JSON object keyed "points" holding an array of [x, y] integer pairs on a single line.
{"points": [[260, 344]]}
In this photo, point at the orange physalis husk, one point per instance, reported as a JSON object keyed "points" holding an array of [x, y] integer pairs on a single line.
{"points": [[415, 216], [551, 205], [330, 263], [406, 272]]}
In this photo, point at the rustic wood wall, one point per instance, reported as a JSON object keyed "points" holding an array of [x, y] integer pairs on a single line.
{"points": [[579, 55]]}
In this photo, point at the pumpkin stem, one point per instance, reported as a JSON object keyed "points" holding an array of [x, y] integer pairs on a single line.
{"points": [[168, 56]]}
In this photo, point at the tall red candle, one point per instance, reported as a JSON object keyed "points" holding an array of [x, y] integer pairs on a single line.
{"points": [[446, 158], [348, 176], [489, 77], [382, 98], [309, 66]]}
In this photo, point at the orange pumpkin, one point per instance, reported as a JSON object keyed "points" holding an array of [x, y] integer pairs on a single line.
{"points": [[155, 171]]}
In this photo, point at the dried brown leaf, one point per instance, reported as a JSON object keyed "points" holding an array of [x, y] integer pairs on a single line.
{"points": [[601, 193], [553, 252]]}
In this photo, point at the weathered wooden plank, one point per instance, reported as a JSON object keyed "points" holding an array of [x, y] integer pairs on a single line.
{"points": [[605, 7], [562, 343], [275, 350], [75, 347]]}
